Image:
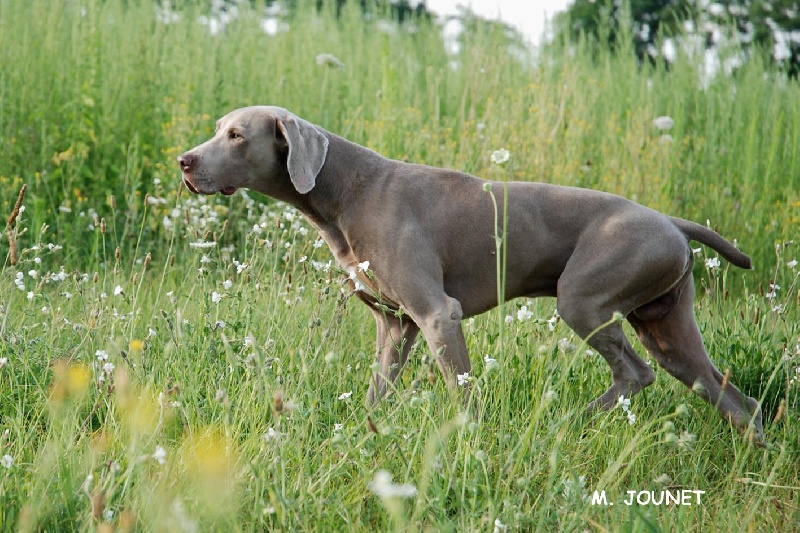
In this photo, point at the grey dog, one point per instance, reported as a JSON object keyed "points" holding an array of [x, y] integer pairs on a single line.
{"points": [[429, 236]]}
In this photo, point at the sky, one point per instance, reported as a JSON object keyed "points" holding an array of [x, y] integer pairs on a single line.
{"points": [[528, 16]]}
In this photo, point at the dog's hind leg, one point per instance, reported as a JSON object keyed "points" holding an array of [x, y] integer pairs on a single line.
{"points": [[590, 316], [668, 330], [629, 373]]}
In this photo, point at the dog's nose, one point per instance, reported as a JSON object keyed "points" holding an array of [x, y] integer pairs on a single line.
{"points": [[187, 161]]}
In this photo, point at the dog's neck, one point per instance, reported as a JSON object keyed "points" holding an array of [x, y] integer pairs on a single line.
{"points": [[348, 168]]}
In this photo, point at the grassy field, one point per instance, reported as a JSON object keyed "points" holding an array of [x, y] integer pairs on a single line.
{"points": [[178, 363]]}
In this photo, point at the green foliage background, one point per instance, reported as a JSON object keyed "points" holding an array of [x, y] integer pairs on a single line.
{"points": [[233, 358]]}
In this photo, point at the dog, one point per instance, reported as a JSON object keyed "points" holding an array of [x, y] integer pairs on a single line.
{"points": [[429, 236]]}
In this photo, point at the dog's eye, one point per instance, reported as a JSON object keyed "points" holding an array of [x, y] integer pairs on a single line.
{"points": [[234, 135]]}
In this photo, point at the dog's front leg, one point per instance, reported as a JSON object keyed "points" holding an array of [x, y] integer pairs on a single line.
{"points": [[442, 330], [395, 336]]}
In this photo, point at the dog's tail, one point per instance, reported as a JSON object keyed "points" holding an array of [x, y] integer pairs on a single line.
{"points": [[726, 249]]}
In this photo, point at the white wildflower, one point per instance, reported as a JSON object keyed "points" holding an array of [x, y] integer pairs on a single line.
{"points": [[354, 278], [687, 441], [381, 485], [329, 60], [524, 313], [624, 402], [565, 346], [363, 266], [550, 396], [712, 263], [796, 378], [490, 362], [664, 123], [500, 157], [773, 291], [202, 245], [160, 455], [7, 461], [216, 297], [345, 395]]}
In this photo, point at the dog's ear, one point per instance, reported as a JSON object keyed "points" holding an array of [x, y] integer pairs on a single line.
{"points": [[307, 150]]}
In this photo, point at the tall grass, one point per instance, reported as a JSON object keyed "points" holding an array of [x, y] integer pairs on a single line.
{"points": [[183, 363]]}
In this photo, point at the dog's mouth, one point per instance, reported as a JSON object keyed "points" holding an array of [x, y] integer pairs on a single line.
{"points": [[227, 191], [189, 185]]}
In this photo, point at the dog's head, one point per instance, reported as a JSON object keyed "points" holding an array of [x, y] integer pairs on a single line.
{"points": [[267, 149]]}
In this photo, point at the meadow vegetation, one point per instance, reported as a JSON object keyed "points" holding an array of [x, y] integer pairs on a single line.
{"points": [[171, 362]]}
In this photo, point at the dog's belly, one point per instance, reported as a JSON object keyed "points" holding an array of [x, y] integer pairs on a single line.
{"points": [[478, 294]]}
